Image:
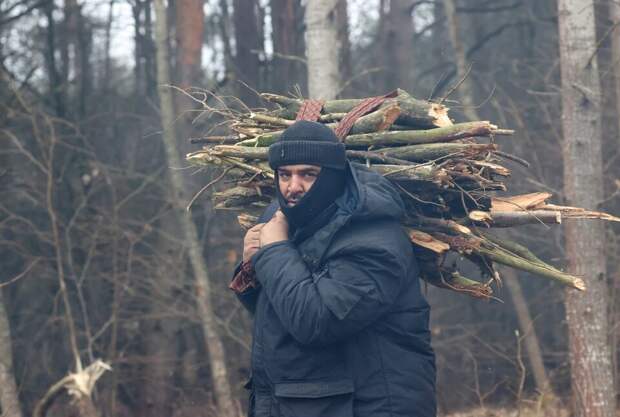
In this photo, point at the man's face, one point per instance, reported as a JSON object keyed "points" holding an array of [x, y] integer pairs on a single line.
{"points": [[295, 181]]}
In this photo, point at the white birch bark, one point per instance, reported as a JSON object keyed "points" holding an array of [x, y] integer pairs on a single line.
{"points": [[9, 399], [214, 345], [322, 49], [590, 357]]}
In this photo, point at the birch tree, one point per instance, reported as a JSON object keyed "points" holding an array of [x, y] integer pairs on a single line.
{"points": [[590, 357], [322, 48], [9, 400]]}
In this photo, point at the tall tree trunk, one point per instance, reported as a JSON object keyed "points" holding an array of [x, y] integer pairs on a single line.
{"points": [[591, 373], [342, 16], [282, 35], [287, 67], [247, 62], [526, 324], [136, 11], [224, 28], [466, 91], [9, 400], [322, 48], [107, 60], [211, 332], [148, 51], [397, 44], [614, 7], [57, 88], [83, 68], [189, 31]]}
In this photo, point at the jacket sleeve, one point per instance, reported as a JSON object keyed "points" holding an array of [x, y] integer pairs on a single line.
{"points": [[353, 291], [248, 295]]}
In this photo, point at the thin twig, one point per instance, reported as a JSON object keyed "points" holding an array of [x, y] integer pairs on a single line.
{"points": [[206, 187], [21, 274], [457, 85]]}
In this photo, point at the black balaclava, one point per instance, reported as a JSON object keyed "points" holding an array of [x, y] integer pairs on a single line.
{"points": [[311, 143]]}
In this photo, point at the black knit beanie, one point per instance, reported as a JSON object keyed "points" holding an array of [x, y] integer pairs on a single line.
{"points": [[311, 143]]}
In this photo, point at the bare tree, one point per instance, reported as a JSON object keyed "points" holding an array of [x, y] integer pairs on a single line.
{"points": [[247, 63], [213, 341], [322, 48], [591, 373]]}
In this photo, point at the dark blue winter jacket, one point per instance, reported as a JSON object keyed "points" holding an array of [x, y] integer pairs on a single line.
{"points": [[340, 325]]}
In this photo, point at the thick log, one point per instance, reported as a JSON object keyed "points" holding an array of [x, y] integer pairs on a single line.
{"points": [[262, 154], [514, 248], [239, 152], [397, 138], [432, 224], [276, 117], [514, 218], [434, 151], [477, 246], [239, 197], [376, 121], [427, 173], [416, 137], [505, 258], [414, 112], [205, 157], [375, 157]]}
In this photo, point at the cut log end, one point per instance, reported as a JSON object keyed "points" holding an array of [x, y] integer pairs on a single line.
{"points": [[440, 114], [427, 241], [246, 221], [579, 284], [389, 117]]}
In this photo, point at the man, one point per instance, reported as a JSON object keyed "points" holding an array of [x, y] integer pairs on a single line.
{"points": [[340, 325]]}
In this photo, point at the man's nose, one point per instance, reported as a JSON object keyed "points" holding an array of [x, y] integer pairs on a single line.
{"points": [[296, 185]]}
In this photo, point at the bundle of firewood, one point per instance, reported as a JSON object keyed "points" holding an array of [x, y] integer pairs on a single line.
{"points": [[447, 173]]}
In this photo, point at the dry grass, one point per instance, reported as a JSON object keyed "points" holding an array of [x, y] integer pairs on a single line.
{"points": [[526, 411]]}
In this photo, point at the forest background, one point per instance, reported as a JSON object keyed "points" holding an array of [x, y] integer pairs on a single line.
{"points": [[101, 260]]}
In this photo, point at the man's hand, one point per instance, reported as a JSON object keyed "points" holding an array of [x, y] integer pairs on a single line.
{"points": [[251, 242], [276, 230]]}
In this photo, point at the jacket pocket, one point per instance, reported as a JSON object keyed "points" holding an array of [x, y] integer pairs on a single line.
{"points": [[315, 399]]}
